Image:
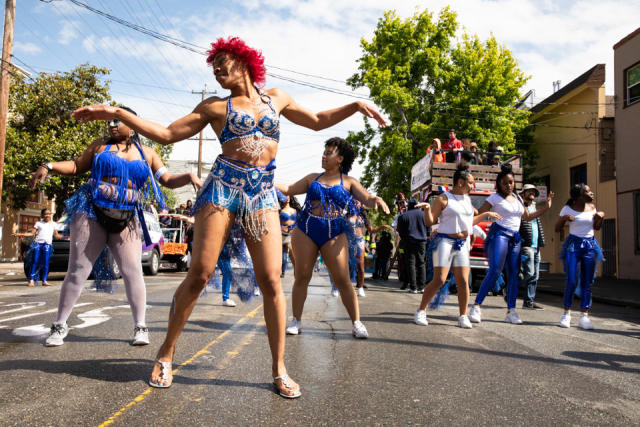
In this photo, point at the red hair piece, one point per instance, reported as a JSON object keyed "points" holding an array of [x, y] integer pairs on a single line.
{"points": [[237, 47]]}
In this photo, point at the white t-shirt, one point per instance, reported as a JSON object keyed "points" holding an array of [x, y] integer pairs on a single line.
{"points": [[511, 212], [582, 225], [457, 216], [44, 231]]}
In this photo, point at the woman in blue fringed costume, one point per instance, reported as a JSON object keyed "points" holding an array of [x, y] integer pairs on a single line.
{"points": [[451, 245], [580, 251], [240, 185], [360, 224], [108, 211], [323, 226]]}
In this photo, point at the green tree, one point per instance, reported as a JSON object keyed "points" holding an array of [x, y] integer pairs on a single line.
{"points": [[41, 129], [427, 78]]}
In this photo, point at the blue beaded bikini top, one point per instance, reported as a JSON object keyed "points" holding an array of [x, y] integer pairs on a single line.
{"points": [[241, 124], [334, 200]]}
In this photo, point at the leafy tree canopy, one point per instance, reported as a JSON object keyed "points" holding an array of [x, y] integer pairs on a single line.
{"points": [[41, 130], [428, 76]]}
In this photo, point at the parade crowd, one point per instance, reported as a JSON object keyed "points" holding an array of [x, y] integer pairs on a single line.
{"points": [[240, 213]]}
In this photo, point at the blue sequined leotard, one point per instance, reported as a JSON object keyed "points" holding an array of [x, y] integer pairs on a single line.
{"points": [[335, 203]]}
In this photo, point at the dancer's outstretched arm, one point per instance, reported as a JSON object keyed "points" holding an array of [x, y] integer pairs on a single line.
{"points": [[299, 187], [324, 119], [361, 194], [206, 112]]}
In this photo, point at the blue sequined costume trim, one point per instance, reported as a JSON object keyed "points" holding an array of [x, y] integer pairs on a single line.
{"points": [[235, 252], [335, 203], [245, 190]]}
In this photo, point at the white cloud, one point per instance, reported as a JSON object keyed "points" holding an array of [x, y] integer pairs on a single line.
{"points": [[26, 47], [68, 33]]}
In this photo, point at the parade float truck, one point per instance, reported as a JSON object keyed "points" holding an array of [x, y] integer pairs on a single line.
{"points": [[429, 179]]}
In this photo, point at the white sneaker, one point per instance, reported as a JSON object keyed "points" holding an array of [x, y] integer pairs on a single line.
{"points": [[512, 317], [474, 314], [228, 303], [140, 335], [57, 334], [420, 318], [565, 320], [294, 327], [335, 293], [463, 322], [361, 292], [359, 331], [585, 322], [256, 292]]}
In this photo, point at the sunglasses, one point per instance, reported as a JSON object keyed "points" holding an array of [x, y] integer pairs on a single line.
{"points": [[114, 123]]}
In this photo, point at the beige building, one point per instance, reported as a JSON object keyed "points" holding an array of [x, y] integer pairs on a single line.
{"points": [[574, 138], [627, 130]]}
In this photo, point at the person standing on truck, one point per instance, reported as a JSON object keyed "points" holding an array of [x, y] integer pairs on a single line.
{"points": [[450, 246], [453, 145], [503, 243], [438, 156], [532, 236]]}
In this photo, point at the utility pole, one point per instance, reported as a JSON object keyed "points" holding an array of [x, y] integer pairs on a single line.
{"points": [[203, 92], [7, 47]]}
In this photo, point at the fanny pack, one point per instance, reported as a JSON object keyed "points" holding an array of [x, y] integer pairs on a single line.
{"points": [[113, 220]]}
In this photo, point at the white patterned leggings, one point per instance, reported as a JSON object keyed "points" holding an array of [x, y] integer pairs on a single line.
{"points": [[88, 238]]}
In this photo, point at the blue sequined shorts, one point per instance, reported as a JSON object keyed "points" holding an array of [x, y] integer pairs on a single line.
{"points": [[245, 190]]}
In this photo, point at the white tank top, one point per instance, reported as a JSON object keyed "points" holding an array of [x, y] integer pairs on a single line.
{"points": [[457, 216]]}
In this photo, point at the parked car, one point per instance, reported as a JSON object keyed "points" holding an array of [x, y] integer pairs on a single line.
{"points": [[59, 261]]}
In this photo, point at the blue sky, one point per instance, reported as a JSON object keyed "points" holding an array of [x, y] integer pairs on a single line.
{"points": [[552, 40]]}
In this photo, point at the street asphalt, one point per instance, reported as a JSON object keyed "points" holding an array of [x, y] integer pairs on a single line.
{"points": [[494, 374]]}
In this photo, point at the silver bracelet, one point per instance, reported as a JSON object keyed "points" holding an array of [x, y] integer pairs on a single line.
{"points": [[160, 172]]}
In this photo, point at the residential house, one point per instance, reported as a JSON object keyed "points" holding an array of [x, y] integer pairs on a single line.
{"points": [[574, 137], [626, 60]]}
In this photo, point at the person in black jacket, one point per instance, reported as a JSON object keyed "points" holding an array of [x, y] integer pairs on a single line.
{"points": [[532, 236], [413, 238]]}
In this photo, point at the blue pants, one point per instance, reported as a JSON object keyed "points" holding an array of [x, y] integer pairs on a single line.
{"points": [[224, 264], [586, 260], [502, 249], [41, 255], [285, 252], [530, 272]]}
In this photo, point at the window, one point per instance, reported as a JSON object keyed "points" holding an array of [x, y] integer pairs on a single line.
{"points": [[578, 174], [633, 84]]}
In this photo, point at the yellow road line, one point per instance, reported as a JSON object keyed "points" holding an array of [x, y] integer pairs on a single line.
{"points": [[205, 350]]}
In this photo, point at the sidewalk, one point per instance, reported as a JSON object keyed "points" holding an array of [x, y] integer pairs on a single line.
{"points": [[608, 290]]}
